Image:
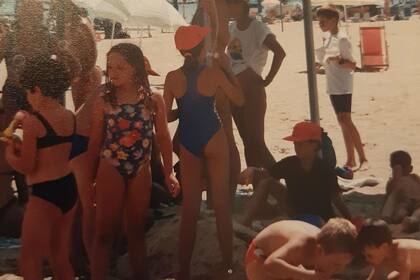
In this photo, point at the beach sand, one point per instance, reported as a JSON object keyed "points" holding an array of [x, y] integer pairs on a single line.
{"points": [[386, 111]]}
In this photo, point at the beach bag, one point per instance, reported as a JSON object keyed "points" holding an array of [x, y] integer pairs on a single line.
{"points": [[327, 151]]}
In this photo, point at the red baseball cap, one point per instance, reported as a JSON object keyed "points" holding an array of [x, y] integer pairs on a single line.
{"points": [[305, 131], [148, 67], [188, 37]]}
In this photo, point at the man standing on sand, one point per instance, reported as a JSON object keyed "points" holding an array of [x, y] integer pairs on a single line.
{"points": [[250, 41]]}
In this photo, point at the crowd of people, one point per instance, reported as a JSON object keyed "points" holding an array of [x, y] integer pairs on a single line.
{"points": [[104, 158]]}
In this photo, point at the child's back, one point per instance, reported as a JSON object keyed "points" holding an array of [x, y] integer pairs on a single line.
{"points": [[412, 248], [278, 234]]}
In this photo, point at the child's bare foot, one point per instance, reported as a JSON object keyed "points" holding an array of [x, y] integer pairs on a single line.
{"points": [[364, 165]]}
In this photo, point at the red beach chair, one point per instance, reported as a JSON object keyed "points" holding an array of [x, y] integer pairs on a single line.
{"points": [[374, 48]]}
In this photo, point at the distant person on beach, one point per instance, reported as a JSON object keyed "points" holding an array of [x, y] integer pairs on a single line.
{"points": [[250, 42], [295, 250], [402, 201], [390, 258], [43, 156], [124, 119], [203, 143], [337, 58], [311, 184]]}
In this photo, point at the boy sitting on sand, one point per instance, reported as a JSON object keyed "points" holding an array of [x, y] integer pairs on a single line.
{"points": [[391, 259], [311, 185], [402, 202], [297, 250]]}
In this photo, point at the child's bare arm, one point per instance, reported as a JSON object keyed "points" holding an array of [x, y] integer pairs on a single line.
{"points": [[229, 87], [403, 266], [163, 139], [97, 133], [277, 266], [279, 54], [22, 155], [171, 114]]}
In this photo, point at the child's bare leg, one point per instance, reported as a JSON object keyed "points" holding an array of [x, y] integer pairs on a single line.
{"points": [[217, 160], [110, 191], [259, 199], [85, 190], [235, 170], [38, 224], [191, 178], [136, 212], [60, 247], [344, 119]]}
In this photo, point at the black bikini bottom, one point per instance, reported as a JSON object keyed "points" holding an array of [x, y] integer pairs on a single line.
{"points": [[62, 192]]}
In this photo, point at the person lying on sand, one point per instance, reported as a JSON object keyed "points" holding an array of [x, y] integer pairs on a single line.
{"points": [[402, 202], [312, 186], [391, 259], [297, 250]]}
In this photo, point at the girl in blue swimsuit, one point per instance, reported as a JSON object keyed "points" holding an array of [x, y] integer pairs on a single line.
{"points": [[124, 119], [43, 157], [202, 138]]}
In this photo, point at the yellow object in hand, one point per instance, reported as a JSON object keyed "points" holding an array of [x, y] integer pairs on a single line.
{"points": [[8, 132]]}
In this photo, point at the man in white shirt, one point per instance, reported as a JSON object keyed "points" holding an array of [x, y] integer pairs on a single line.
{"points": [[250, 42]]}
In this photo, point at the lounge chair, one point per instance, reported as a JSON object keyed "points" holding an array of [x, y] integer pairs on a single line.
{"points": [[374, 48]]}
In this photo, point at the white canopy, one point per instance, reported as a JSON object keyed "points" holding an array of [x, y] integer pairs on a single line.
{"points": [[111, 9], [347, 2], [152, 12]]}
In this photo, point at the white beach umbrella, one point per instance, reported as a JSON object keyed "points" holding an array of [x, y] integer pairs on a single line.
{"points": [[347, 2], [152, 12], [111, 9]]}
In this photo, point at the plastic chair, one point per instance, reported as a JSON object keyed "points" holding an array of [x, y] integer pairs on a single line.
{"points": [[374, 48]]}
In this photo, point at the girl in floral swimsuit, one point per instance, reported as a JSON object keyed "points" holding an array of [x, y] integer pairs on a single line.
{"points": [[122, 129]]}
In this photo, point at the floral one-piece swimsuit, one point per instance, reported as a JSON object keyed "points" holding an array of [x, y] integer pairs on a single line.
{"points": [[128, 137]]}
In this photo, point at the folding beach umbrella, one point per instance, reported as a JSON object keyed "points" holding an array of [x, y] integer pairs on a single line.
{"points": [[152, 12], [110, 9]]}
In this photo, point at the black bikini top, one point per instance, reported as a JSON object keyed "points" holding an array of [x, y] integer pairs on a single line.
{"points": [[51, 138]]}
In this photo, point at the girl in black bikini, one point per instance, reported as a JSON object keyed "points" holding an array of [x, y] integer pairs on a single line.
{"points": [[43, 157]]}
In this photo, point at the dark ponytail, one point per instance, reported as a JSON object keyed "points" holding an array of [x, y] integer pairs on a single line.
{"points": [[191, 61]]}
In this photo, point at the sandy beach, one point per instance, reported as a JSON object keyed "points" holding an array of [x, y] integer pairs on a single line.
{"points": [[386, 108]]}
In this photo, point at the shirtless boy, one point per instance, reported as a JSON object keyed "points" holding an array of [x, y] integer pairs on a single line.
{"points": [[392, 259], [297, 250]]}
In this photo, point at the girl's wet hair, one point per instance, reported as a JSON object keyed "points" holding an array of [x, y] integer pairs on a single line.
{"points": [[133, 55], [49, 75], [191, 61]]}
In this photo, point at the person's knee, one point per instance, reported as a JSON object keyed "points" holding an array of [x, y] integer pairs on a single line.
{"points": [[344, 118]]}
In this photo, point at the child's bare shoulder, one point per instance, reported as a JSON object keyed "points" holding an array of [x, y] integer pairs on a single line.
{"points": [[408, 248]]}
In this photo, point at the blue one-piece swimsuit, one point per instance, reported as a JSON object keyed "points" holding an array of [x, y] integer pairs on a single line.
{"points": [[198, 118]]}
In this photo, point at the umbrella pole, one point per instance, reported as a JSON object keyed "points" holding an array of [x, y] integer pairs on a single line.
{"points": [[113, 31], [281, 15], [310, 61], [345, 13]]}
